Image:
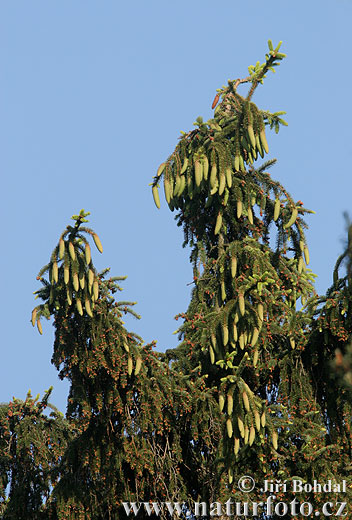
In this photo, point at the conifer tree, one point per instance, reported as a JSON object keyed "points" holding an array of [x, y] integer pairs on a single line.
{"points": [[31, 445], [133, 418], [260, 353], [336, 315]]}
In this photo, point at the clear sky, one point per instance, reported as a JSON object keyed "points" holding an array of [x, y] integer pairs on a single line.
{"points": [[93, 95]]}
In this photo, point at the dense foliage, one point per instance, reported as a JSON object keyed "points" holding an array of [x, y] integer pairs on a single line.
{"points": [[259, 384]]}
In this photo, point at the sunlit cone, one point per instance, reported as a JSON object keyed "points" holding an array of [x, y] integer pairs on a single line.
{"points": [[230, 475], [215, 102], [82, 280], [221, 402], [72, 251], [292, 220], [306, 254], [251, 435], [61, 248], [245, 400], [225, 334], [264, 141], [229, 427], [218, 223], [239, 208], [241, 341], [129, 365], [235, 332], [160, 169], [263, 420], [184, 166], [75, 281], [167, 190], [79, 306], [205, 164], [229, 403], [228, 174], [34, 315], [212, 355], [241, 303], [88, 307], [90, 278], [246, 434], [257, 420], [233, 266], [39, 326], [155, 192], [55, 272], [97, 242], [300, 264], [138, 365], [255, 336], [255, 358], [275, 440], [96, 289], [251, 135], [276, 209], [198, 174], [87, 253], [66, 273], [69, 295], [240, 426]]}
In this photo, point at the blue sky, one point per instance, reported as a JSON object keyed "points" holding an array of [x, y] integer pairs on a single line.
{"points": [[93, 96]]}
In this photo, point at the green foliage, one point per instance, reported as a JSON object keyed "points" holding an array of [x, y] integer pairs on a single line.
{"points": [[31, 446], [259, 352], [333, 326], [133, 417], [245, 293]]}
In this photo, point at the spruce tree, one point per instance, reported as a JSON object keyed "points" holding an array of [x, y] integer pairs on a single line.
{"points": [[335, 315], [254, 323], [134, 419], [31, 445]]}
